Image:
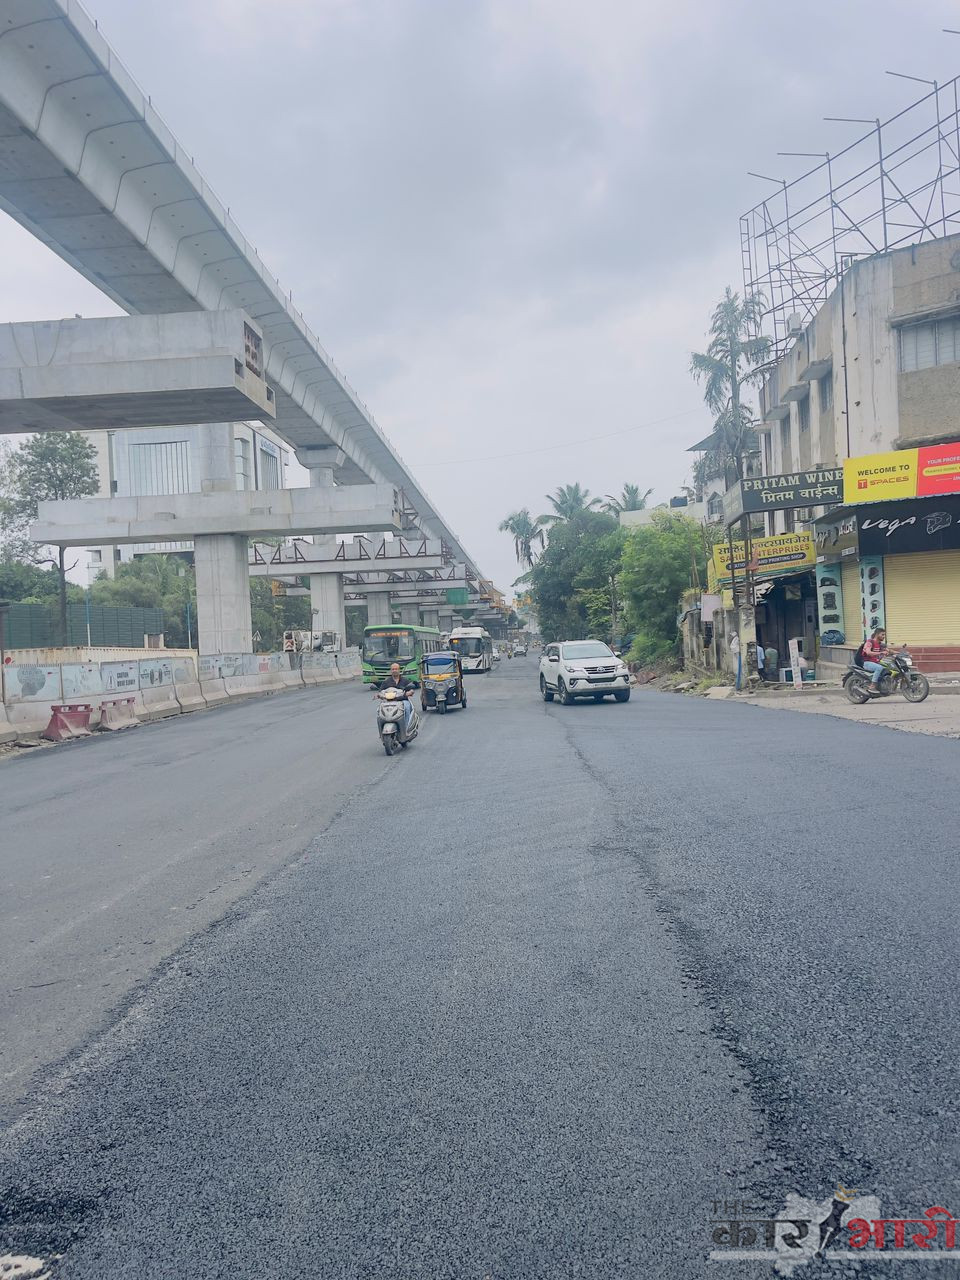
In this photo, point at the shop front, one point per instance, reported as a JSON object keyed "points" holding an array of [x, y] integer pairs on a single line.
{"points": [[896, 565], [782, 571]]}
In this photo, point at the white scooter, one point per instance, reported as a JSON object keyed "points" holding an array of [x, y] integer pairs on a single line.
{"points": [[391, 720]]}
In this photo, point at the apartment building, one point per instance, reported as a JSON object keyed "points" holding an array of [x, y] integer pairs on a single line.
{"points": [[877, 371]]}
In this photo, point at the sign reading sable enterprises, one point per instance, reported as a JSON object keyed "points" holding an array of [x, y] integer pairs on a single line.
{"points": [[903, 473], [779, 554], [819, 486]]}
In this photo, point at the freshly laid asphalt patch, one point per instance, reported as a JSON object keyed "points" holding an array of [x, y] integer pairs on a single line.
{"points": [[548, 987]]}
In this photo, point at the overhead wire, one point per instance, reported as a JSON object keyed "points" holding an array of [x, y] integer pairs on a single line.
{"points": [[565, 444]]}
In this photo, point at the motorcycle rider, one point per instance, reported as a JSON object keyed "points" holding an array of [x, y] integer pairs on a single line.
{"points": [[870, 652], [397, 680]]}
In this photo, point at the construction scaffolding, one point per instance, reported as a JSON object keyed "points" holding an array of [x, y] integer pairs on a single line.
{"points": [[895, 185]]}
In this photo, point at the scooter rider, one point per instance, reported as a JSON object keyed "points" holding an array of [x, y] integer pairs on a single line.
{"points": [[397, 680]]}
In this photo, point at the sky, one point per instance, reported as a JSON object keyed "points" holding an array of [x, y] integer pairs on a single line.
{"points": [[508, 221]]}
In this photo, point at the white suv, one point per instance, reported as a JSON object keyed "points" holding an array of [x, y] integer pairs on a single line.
{"points": [[583, 669]]}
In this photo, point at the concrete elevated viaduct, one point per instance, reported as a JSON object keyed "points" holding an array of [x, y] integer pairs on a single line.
{"points": [[89, 168]]}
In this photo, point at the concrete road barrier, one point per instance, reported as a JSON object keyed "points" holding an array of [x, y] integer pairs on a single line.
{"points": [[118, 713], [7, 731], [292, 679], [348, 663], [159, 702], [318, 668], [190, 696], [213, 691], [68, 720]]}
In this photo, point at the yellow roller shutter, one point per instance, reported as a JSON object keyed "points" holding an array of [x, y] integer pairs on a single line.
{"points": [[922, 596], [852, 610]]}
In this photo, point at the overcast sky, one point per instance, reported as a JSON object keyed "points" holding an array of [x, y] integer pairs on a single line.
{"points": [[507, 220]]}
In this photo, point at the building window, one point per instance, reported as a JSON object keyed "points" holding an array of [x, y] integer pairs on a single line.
{"points": [[96, 557], [159, 468], [241, 457], [826, 393], [269, 470], [924, 345], [803, 413], [948, 340], [714, 507]]}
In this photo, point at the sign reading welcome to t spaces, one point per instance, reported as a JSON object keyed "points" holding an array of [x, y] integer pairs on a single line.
{"points": [[924, 472]]}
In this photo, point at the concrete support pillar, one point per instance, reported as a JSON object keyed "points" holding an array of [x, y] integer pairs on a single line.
{"points": [[223, 594], [445, 619], [215, 459], [326, 604], [326, 589], [410, 614], [431, 617], [378, 609]]}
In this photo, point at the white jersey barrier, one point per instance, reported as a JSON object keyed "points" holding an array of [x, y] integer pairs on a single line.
{"points": [[320, 668], [348, 663], [186, 686], [210, 671], [157, 692], [159, 686]]}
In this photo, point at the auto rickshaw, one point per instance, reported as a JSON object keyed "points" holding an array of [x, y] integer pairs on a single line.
{"points": [[441, 681]]}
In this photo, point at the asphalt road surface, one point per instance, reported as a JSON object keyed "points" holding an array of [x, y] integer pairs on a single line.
{"points": [[540, 997]]}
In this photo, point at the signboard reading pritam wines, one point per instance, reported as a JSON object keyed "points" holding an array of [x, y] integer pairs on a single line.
{"points": [[816, 487]]}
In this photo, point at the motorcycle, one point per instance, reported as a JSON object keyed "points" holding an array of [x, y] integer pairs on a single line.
{"points": [[898, 677], [391, 721]]}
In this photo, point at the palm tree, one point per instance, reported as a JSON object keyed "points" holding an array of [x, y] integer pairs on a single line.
{"points": [[631, 499], [526, 532], [569, 503], [732, 361]]}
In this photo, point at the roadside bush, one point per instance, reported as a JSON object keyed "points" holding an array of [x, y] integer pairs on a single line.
{"points": [[648, 650]]}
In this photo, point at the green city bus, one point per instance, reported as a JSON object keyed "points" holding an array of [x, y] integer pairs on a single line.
{"points": [[386, 643]]}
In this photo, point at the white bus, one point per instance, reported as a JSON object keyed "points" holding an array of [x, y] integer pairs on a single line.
{"points": [[475, 647]]}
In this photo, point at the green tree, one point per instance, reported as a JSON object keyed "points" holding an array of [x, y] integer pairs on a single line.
{"points": [[51, 467], [154, 581], [25, 583], [582, 556], [570, 504], [526, 533], [660, 561], [730, 363], [630, 499], [272, 615]]}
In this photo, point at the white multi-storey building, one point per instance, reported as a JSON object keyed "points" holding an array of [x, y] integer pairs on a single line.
{"points": [[139, 463]]}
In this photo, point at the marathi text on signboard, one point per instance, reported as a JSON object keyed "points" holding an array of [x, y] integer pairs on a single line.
{"points": [[816, 487], [778, 554], [902, 473]]}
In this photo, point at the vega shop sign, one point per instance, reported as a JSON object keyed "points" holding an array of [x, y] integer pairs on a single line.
{"points": [[779, 554], [904, 473], [925, 524]]}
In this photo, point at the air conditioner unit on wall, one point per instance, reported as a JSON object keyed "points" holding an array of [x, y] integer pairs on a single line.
{"points": [[795, 324]]}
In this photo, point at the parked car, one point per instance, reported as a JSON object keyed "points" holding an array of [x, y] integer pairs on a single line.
{"points": [[583, 669]]}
